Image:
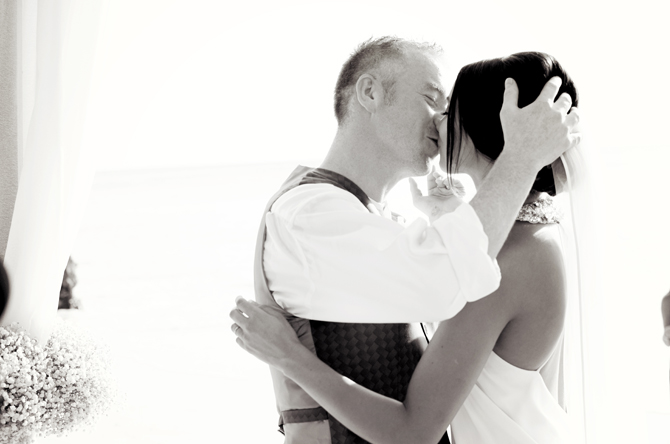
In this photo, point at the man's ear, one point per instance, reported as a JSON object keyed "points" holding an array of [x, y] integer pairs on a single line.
{"points": [[369, 92]]}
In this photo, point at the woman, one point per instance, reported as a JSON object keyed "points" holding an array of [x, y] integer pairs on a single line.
{"points": [[492, 371]]}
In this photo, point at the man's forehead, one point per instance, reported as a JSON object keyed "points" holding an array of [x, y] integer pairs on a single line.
{"points": [[424, 66], [443, 73]]}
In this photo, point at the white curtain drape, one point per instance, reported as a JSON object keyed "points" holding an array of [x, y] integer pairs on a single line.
{"points": [[56, 58]]}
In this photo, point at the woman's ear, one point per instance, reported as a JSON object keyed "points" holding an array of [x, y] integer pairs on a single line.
{"points": [[369, 92]]}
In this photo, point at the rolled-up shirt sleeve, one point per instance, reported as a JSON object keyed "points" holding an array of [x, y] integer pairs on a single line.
{"points": [[328, 258]]}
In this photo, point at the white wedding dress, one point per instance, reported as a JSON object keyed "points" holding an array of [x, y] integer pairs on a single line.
{"points": [[510, 405]]}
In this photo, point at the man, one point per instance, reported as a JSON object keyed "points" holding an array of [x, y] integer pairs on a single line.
{"points": [[350, 278]]}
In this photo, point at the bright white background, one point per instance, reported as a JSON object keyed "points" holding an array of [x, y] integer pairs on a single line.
{"points": [[199, 109], [211, 82]]}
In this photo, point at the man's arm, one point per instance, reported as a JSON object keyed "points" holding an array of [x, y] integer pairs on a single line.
{"points": [[328, 258], [535, 136], [499, 199]]}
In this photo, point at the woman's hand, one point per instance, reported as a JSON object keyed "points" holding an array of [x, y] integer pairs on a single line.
{"points": [[440, 185], [264, 332], [666, 336], [444, 195]]}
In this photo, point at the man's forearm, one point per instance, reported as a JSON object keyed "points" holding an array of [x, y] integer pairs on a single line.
{"points": [[535, 135], [500, 197]]}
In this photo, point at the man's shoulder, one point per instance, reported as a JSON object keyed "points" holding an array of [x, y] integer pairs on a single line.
{"points": [[312, 198]]}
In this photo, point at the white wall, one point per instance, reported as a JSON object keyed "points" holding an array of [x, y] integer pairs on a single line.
{"points": [[207, 82]]}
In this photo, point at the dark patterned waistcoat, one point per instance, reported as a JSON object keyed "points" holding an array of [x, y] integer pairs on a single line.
{"points": [[380, 357]]}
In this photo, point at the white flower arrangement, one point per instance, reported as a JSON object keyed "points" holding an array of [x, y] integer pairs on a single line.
{"points": [[54, 389]]}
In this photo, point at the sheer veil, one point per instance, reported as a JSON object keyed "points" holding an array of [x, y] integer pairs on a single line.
{"points": [[582, 342]]}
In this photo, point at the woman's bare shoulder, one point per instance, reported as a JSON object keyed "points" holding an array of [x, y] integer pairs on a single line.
{"points": [[532, 261], [533, 282], [533, 241]]}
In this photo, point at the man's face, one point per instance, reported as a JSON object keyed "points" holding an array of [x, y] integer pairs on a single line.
{"points": [[407, 126]]}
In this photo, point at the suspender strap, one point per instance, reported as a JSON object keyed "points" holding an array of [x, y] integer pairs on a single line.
{"points": [[321, 176]]}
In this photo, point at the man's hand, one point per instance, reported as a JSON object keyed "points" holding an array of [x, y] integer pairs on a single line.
{"points": [[443, 196], [540, 132], [666, 336]]}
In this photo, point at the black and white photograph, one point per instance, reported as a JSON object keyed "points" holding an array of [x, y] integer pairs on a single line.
{"points": [[334, 222]]}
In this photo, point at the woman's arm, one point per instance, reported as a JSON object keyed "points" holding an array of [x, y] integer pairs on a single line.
{"points": [[459, 349], [443, 379], [445, 375]]}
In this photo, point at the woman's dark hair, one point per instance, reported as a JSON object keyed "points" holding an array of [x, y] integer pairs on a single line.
{"points": [[4, 288], [478, 94]]}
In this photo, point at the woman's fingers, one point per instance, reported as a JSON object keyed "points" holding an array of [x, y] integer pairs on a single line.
{"points": [[246, 306], [263, 331], [239, 320], [240, 315], [442, 182], [436, 180], [236, 329], [431, 181], [251, 317], [240, 342]]}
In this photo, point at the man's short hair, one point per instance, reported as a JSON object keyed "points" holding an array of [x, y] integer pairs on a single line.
{"points": [[373, 56]]}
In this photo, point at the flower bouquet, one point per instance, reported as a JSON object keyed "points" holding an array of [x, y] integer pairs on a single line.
{"points": [[51, 389]]}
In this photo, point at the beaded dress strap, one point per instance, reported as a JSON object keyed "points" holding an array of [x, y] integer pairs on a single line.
{"points": [[542, 211]]}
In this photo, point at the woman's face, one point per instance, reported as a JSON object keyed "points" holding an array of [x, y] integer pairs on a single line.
{"points": [[469, 161]]}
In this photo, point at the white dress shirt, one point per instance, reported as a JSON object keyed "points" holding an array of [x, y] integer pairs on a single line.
{"points": [[328, 258]]}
